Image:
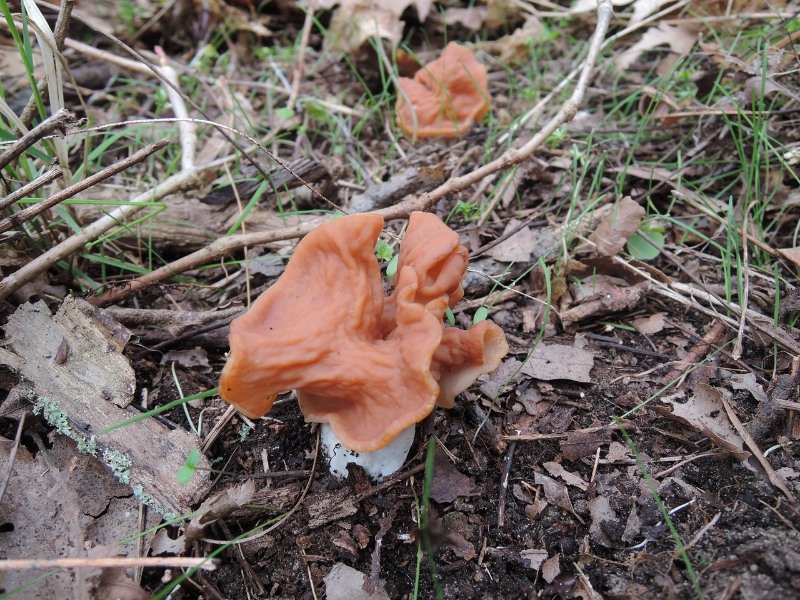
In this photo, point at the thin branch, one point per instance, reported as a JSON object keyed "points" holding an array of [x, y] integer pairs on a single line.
{"points": [[61, 123], [53, 173], [27, 214], [104, 563]]}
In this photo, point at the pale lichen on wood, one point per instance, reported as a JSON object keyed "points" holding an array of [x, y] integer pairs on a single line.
{"points": [[85, 390]]}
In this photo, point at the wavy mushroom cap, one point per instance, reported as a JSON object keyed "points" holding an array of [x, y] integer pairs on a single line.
{"points": [[368, 366], [445, 97]]}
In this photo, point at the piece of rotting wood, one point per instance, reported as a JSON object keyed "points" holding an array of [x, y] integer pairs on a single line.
{"points": [[73, 365]]}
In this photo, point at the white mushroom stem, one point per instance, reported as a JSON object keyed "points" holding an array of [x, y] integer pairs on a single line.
{"points": [[378, 464]]}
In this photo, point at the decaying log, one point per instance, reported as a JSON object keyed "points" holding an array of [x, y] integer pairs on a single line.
{"points": [[73, 366]]}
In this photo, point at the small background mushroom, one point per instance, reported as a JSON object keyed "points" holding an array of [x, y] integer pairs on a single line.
{"points": [[446, 96]]}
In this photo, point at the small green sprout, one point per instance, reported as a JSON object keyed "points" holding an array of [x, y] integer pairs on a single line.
{"points": [[640, 247], [187, 471], [451, 318], [480, 315]]}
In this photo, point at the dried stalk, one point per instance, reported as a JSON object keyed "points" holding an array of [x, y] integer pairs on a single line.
{"points": [[53, 173], [61, 123]]}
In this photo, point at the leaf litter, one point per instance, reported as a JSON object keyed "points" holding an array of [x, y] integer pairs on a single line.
{"points": [[580, 518]]}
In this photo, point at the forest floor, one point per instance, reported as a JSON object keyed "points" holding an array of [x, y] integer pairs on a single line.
{"points": [[640, 439]]}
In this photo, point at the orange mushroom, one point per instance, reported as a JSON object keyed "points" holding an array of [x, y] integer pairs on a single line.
{"points": [[368, 366], [445, 97]]}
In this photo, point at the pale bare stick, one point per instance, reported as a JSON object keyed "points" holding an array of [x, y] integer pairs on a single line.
{"points": [[208, 564], [509, 158], [299, 64], [186, 129]]}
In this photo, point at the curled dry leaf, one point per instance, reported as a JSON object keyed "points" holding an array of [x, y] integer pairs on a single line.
{"points": [[357, 21], [704, 412], [680, 39], [615, 229]]}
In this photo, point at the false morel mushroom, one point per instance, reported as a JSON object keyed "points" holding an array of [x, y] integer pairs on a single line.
{"points": [[445, 97], [369, 366]]}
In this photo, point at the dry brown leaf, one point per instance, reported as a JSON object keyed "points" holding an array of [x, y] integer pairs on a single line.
{"points": [[517, 248], [219, 506], [603, 519], [514, 49], [356, 21], [615, 229], [551, 569], [677, 37], [534, 558], [791, 254], [556, 470], [650, 324], [555, 492], [448, 482], [705, 412], [554, 361], [345, 583], [471, 17], [580, 444]]}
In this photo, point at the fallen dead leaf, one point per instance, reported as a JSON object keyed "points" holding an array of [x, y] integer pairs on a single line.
{"points": [[534, 558], [556, 493], [650, 324], [448, 482], [219, 506], [677, 37], [615, 229], [580, 444], [551, 568], [556, 470], [462, 548], [705, 412], [747, 381], [345, 583], [554, 361], [518, 247], [603, 516], [357, 21], [632, 526]]}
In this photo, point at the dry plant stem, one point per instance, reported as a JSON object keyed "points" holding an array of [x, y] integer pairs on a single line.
{"points": [[501, 505], [775, 478], [155, 70], [53, 173], [60, 33], [27, 214], [697, 353], [287, 515], [186, 131], [105, 56], [61, 123], [511, 157], [744, 294], [105, 563]]}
